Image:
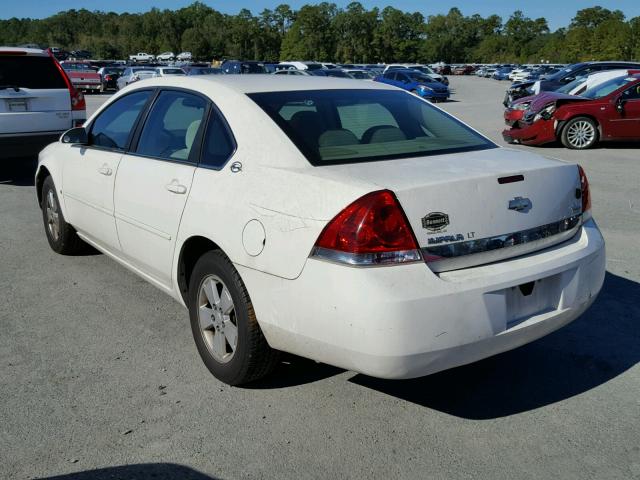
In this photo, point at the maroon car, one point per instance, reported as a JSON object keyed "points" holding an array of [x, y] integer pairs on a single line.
{"points": [[83, 76], [609, 111]]}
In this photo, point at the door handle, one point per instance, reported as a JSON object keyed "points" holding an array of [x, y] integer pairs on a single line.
{"points": [[105, 170], [175, 187]]}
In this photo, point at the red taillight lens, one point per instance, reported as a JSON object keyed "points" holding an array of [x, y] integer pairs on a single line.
{"points": [[586, 194], [107, 78], [77, 98], [372, 230]]}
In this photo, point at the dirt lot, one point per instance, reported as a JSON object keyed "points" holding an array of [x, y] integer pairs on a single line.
{"points": [[100, 378]]}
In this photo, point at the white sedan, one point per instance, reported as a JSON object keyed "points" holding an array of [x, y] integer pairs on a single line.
{"points": [[351, 223]]}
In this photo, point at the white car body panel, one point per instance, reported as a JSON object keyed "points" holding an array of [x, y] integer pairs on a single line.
{"points": [[396, 321]]}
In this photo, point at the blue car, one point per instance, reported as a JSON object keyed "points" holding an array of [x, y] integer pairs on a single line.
{"points": [[502, 73], [415, 82]]}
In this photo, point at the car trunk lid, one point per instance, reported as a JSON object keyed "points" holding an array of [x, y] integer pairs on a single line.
{"points": [[466, 208]]}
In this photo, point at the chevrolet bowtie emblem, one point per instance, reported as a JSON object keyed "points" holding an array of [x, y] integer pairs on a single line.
{"points": [[520, 204]]}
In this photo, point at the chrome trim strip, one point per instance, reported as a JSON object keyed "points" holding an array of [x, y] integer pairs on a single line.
{"points": [[399, 257], [454, 256]]}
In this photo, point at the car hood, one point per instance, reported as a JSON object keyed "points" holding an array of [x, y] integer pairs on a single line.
{"points": [[538, 102]]}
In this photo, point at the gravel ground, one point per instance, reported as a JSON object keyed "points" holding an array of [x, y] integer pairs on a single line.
{"points": [[100, 377]]}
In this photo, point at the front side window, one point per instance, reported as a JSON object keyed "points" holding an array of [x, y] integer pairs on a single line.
{"points": [[113, 126], [632, 93], [172, 126], [352, 126]]}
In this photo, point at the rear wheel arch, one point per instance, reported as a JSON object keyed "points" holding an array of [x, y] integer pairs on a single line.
{"points": [[192, 249]]}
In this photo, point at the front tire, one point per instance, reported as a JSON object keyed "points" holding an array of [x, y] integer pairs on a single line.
{"points": [[62, 237], [580, 133], [224, 324]]}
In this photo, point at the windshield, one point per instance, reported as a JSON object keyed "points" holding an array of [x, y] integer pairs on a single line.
{"points": [[353, 126], [606, 88], [558, 75], [571, 85], [27, 71]]}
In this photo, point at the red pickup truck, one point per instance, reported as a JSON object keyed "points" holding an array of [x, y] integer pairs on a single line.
{"points": [[83, 76]]}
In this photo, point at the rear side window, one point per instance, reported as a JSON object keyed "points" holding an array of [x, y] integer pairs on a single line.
{"points": [[218, 143], [113, 126], [172, 126], [25, 71]]}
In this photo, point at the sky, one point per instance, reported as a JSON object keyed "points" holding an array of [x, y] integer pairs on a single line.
{"points": [[557, 13]]}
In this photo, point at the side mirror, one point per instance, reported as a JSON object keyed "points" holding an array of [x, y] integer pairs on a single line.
{"points": [[620, 105], [75, 136]]}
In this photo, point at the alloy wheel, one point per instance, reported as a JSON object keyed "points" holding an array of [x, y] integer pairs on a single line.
{"points": [[580, 134], [217, 318], [53, 216]]}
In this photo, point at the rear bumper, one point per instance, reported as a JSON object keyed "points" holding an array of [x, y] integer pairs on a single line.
{"points": [[405, 322], [23, 145], [537, 133]]}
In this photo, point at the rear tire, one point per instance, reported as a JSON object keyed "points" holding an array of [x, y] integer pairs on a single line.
{"points": [[62, 237], [580, 133], [224, 324]]}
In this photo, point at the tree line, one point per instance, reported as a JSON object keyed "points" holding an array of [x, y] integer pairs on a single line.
{"points": [[324, 32]]}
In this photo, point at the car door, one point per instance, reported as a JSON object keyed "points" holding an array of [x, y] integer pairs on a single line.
{"points": [[628, 118], [89, 170], [154, 179]]}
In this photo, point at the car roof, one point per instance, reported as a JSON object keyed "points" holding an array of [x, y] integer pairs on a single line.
{"points": [[28, 51], [257, 83]]}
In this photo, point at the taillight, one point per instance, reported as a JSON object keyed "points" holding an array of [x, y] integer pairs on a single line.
{"points": [[586, 194], [107, 78], [373, 230], [77, 98]]}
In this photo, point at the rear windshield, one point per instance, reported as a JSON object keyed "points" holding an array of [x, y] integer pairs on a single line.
{"points": [[353, 126], [29, 72], [173, 71]]}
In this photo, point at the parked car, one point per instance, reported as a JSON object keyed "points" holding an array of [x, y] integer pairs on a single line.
{"points": [[133, 74], [165, 57], [518, 108], [203, 71], [38, 102], [141, 57], [81, 54], [304, 65], [421, 68], [292, 71], [83, 76], [464, 70], [606, 112], [335, 73], [415, 82], [184, 57], [243, 67], [564, 76], [502, 73], [109, 77], [168, 71], [359, 74], [245, 212]]}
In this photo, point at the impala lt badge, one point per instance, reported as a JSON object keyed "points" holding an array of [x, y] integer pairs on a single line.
{"points": [[520, 204], [435, 221]]}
